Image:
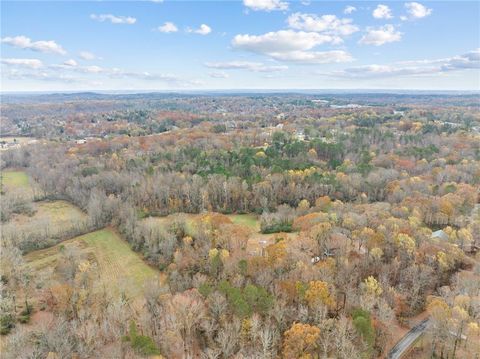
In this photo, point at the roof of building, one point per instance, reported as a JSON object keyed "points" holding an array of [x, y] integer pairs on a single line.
{"points": [[440, 234]]}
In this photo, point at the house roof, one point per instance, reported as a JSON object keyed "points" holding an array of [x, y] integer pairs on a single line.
{"points": [[440, 234]]}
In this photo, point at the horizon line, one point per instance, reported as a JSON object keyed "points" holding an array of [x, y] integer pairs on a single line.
{"points": [[243, 90]]}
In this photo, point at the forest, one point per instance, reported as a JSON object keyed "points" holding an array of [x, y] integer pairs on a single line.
{"points": [[239, 225]]}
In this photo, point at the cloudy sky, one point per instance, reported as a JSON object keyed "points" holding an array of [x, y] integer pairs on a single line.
{"points": [[249, 44]]}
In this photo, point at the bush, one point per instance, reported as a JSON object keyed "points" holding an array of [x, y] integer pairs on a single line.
{"points": [[89, 171], [245, 302], [280, 221], [205, 289], [276, 228], [364, 326], [7, 323], [25, 314], [142, 344]]}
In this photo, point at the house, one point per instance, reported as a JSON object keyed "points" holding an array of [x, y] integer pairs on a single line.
{"points": [[440, 234], [300, 135]]}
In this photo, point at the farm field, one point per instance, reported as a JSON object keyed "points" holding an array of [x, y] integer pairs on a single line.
{"points": [[116, 268]]}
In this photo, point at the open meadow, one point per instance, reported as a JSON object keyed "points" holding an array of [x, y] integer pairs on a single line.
{"points": [[14, 181], [256, 242], [45, 224], [115, 268]]}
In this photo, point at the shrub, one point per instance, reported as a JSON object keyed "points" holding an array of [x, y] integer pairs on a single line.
{"points": [[364, 326], [7, 322], [88, 171], [245, 302], [280, 221], [205, 289], [25, 314], [142, 344]]}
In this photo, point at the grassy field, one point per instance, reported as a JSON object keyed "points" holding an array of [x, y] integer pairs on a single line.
{"points": [[249, 220], [59, 213], [117, 268], [51, 220], [13, 180], [256, 241], [52, 214]]}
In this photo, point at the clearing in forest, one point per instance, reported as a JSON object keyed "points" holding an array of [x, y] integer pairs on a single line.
{"points": [[50, 219], [13, 180], [248, 220], [115, 267], [256, 241]]}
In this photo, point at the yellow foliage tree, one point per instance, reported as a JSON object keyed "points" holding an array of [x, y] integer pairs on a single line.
{"points": [[405, 242], [300, 340], [372, 286], [318, 293]]}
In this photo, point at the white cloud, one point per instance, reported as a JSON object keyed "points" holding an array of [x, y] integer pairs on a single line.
{"points": [[327, 23], [282, 41], [30, 63], [86, 55], [66, 72], [349, 9], [43, 76], [381, 35], [70, 62], [168, 27], [468, 61], [382, 12], [24, 42], [94, 69], [416, 10], [219, 75], [114, 19], [246, 65], [266, 5], [202, 30], [172, 80], [315, 57], [289, 45]]}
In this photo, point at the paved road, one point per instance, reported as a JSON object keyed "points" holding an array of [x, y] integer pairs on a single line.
{"points": [[408, 339]]}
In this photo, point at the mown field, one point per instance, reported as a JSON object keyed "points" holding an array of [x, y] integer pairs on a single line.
{"points": [[115, 267]]}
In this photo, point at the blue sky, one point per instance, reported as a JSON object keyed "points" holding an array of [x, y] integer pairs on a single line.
{"points": [[249, 44]]}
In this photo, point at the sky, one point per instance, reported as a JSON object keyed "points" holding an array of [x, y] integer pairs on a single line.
{"points": [[250, 44]]}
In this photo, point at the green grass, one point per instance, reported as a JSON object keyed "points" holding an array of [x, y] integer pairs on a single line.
{"points": [[248, 220], [15, 180], [119, 266], [117, 269]]}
